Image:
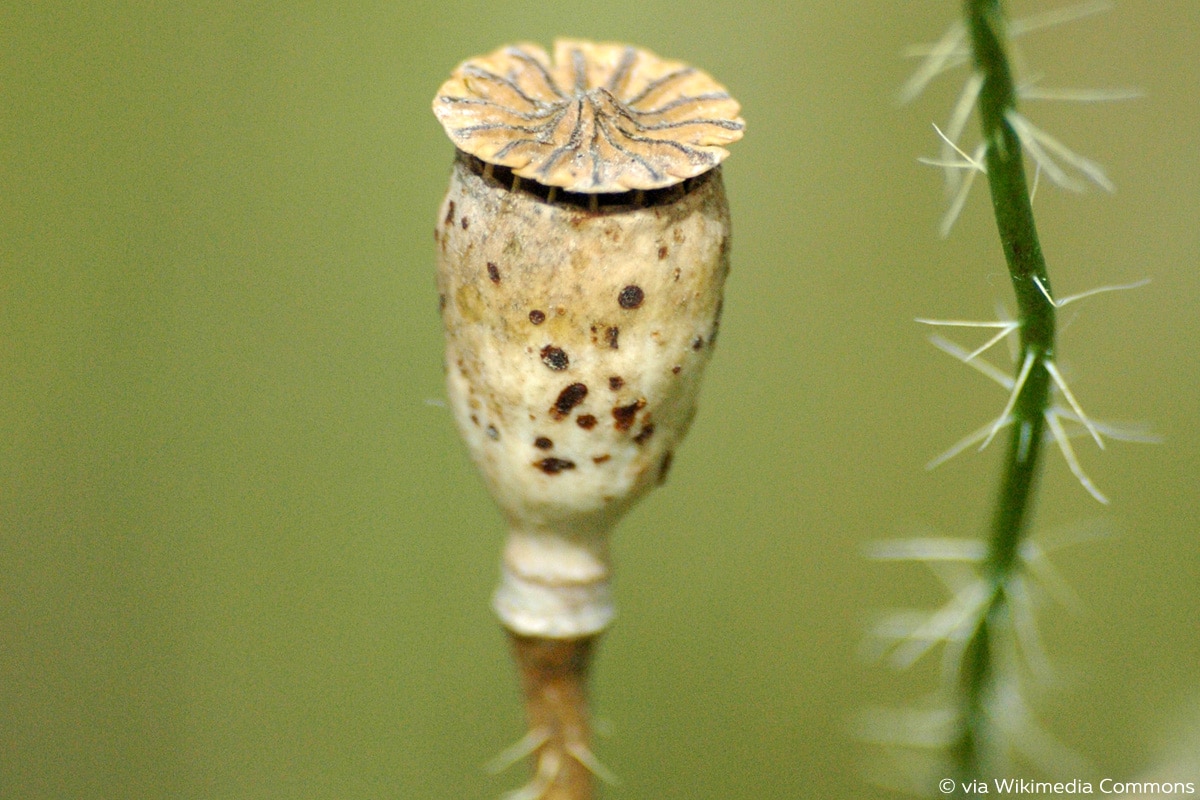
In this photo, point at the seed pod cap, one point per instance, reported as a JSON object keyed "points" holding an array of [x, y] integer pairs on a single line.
{"points": [[597, 118]]}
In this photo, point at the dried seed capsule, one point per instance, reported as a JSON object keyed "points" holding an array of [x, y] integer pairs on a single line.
{"points": [[572, 326], [504, 372], [628, 285]]}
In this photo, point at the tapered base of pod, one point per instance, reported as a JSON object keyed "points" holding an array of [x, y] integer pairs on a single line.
{"points": [[553, 676]]}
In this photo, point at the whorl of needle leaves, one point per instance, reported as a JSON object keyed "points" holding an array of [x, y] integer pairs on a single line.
{"points": [[599, 117]]}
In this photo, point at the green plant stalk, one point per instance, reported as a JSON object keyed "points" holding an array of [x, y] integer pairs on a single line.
{"points": [[1023, 253]]}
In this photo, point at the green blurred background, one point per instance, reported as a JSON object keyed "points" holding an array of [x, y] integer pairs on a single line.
{"points": [[242, 553]]}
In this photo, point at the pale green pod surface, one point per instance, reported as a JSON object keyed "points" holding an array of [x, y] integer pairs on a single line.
{"points": [[576, 336]]}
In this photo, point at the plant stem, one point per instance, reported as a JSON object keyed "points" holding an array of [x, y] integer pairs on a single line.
{"points": [[1023, 253], [554, 679]]}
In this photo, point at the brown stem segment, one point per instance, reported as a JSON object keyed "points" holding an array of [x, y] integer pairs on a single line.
{"points": [[554, 680]]}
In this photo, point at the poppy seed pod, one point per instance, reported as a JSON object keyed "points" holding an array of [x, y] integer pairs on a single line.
{"points": [[582, 248]]}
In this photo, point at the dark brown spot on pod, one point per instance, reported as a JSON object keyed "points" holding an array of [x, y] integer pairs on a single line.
{"points": [[441, 303], [616, 382], [537, 317], [610, 336], [465, 223], [644, 434], [600, 459], [675, 369], [449, 213], [698, 342], [631, 296], [542, 443], [662, 252], [555, 357], [586, 421], [665, 466], [623, 415], [492, 433], [493, 270], [568, 398], [553, 466]]}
